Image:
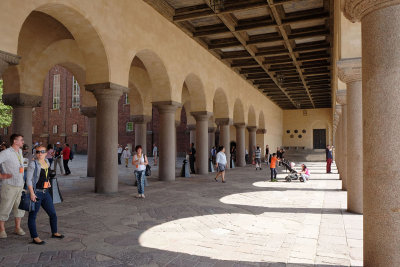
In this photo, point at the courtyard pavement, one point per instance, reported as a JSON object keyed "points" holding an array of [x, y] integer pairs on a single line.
{"points": [[196, 221]]}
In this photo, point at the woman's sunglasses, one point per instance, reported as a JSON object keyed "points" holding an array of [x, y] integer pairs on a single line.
{"points": [[41, 151]]}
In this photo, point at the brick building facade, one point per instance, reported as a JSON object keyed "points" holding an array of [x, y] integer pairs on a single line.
{"points": [[59, 119]]}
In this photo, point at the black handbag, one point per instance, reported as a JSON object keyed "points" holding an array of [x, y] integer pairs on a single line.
{"points": [[148, 170], [26, 203]]}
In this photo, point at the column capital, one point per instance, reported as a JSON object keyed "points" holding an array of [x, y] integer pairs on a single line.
{"points": [[89, 112], [338, 109], [211, 129], [240, 125], [106, 90], [201, 115], [261, 131], [140, 118], [191, 127], [349, 70], [252, 128], [22, 100], [223, 121], [341, 97], [97, 88], [355, 10], [167, 106], [7, 59]]}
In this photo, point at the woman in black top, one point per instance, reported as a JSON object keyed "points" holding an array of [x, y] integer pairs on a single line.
{"points": [[38, 182]]}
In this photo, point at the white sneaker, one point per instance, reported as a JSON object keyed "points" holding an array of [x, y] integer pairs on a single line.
{"points": [[138, 196], [143, 196], [20, 232], [3, 234]]}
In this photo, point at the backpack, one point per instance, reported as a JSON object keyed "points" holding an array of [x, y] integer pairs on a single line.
{"points": [[71, 155]]}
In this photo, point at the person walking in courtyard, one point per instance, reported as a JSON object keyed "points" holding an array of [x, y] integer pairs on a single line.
{"points": [[126, 155], [12, 164], [257, 157], [267, 154], [50, 154], [192, 157], [119, 154], [38, 182], [140, 161], [221, 164], [329, 159], [155, 154], [272, 167], [65, 153], [304, 173], [57, 158]]}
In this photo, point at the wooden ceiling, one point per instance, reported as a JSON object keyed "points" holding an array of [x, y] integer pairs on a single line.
{"points": [[282, 47]]}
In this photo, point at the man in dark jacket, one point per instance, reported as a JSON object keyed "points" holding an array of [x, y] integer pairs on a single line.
{"points": [[192, 157]]}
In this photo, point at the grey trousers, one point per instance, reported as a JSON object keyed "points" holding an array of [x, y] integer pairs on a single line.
{"points": [[59, 162]]}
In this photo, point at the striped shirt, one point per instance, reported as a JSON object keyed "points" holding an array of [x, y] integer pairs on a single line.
{"points": [[11, 161]]}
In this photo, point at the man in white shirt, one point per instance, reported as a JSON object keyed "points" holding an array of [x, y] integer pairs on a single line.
{"points": [[12, 163], [155, 154], [221, 164]]}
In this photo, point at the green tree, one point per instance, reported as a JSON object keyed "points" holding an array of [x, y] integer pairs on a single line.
{"points": [[5, 111]]}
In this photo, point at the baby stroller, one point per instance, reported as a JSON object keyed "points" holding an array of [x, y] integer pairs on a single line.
{"points": [[293, 175]]}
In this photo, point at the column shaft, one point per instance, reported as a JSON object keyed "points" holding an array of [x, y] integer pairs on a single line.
{"points": [[22, 124], [381, 121], [224, 140], [91, 160], [240, 145], [141, 135], [201, 141], [106, 138], [167, 154], [252, 141], [354, 147], [343, 149]]}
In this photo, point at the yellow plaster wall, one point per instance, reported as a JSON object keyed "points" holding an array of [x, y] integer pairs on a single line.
{"points": [[315, 119]]}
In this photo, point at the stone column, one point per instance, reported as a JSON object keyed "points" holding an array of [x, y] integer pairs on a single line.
{"points": [[22, 114], [336, 127], [90, 113], [350, 73], [252, 140], [224, 137], [201, 141], [141, 130], [107, 96], [192, 132], [240, 144], [380, 24], [211, 139], [6, 60], [341, 98], [167, 148]]}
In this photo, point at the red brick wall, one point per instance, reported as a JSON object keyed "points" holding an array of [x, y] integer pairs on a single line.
{"points": [[44, 118]]}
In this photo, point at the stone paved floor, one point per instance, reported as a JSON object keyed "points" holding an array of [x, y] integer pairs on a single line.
{"points": [[196, 222]]}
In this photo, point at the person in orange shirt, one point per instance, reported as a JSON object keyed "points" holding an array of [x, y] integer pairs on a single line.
{"points": [[272, 167]]}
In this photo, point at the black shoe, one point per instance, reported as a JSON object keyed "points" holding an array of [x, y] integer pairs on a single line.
{"points": [[216, 179], [223, 181], [38, 243], [57, 236]]}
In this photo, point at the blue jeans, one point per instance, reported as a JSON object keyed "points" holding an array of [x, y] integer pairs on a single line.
{"points": [[44, 200], [140, 177], [273, 173]]}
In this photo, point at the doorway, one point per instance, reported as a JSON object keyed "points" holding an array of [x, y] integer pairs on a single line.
{"points": [[319, 137]]}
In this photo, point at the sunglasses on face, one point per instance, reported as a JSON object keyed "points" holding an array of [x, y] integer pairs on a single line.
{"points": [[41, 151]]}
